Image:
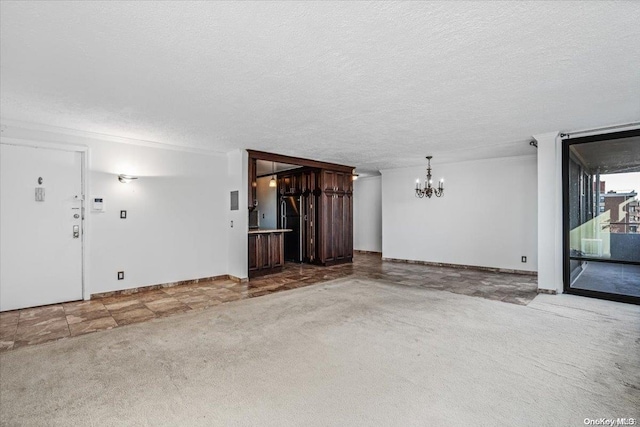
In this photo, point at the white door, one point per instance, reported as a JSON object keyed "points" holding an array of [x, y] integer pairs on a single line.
{"points": [[40, 240]]}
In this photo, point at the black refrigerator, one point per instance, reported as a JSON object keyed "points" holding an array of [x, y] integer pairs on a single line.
{"points": [[290, 210]]}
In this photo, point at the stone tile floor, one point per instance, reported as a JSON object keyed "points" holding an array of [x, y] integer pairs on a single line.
{"points": [[37, 325]]}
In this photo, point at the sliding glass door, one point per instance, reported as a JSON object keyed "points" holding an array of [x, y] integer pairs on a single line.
{"points": [[602, 216]]}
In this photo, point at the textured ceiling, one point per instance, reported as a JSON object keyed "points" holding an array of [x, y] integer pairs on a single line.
{"points": [[376, 85], [613, 156]]}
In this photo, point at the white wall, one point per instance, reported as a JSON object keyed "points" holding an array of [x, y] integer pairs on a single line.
{"points": [[549, 166], [176, 226], [237, 179], [487, 217], [367, 214], [267, 203]]}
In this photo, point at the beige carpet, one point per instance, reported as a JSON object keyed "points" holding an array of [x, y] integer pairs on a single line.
{"points": [[349, 352]]}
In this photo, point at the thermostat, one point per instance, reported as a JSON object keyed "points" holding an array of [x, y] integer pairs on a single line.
{"points": [[97, 204]]}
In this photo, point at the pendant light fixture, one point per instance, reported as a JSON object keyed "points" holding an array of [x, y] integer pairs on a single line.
{"points": [[272, 182]]}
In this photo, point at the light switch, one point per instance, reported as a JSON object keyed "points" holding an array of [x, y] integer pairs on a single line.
{"points": [[123, 214], [39, 194]]}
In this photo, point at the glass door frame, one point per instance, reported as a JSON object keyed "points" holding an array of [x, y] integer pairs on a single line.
{"points": [[566, 250]]}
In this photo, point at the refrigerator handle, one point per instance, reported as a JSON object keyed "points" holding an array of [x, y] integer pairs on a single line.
{"points": [[283, 214], [300, 230]]}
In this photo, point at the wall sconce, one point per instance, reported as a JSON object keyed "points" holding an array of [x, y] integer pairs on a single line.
{"points": [[125, 179]]}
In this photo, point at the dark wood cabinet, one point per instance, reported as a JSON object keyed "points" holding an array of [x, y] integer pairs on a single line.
{"points": [[309, 227], [336, 222], [348, 184], [309, 223], [276, 250], [254, 254], [308, 182], [327, 242], [338, 227], [347, 221], [341, 182], [329, 181], [253, 185], [266, 253], [290, 184], [336, 182]]}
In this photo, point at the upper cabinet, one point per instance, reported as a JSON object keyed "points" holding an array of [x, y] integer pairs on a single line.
{"points": [[289, 184], [308, 182], [336, 182], [329, 181], [300, 182]]}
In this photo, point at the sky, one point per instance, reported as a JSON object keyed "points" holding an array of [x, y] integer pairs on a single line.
{"points": [[620, 182]]}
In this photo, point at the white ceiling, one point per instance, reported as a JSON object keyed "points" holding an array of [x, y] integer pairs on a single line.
{"points": [[374, 85], [610, 156]]}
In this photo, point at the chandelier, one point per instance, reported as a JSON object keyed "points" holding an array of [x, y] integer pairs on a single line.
{"points": [[428, 189]]}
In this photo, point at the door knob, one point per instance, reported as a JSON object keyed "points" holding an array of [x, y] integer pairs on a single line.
{"points": [[76, 231]]}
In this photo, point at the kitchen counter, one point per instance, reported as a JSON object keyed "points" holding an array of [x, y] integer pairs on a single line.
{"points": [[267, 230]]}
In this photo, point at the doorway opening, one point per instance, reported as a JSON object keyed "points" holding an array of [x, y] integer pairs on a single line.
{"points": [[601, 182], [300, 211]]}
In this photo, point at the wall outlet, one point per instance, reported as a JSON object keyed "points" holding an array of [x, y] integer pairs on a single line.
{"points": [[120, 275], [123, 214], [231, 224], [524, 259]]}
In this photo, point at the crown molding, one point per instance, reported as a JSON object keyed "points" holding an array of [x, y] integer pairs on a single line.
{"points": [[7, 125], [603, 130]]}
